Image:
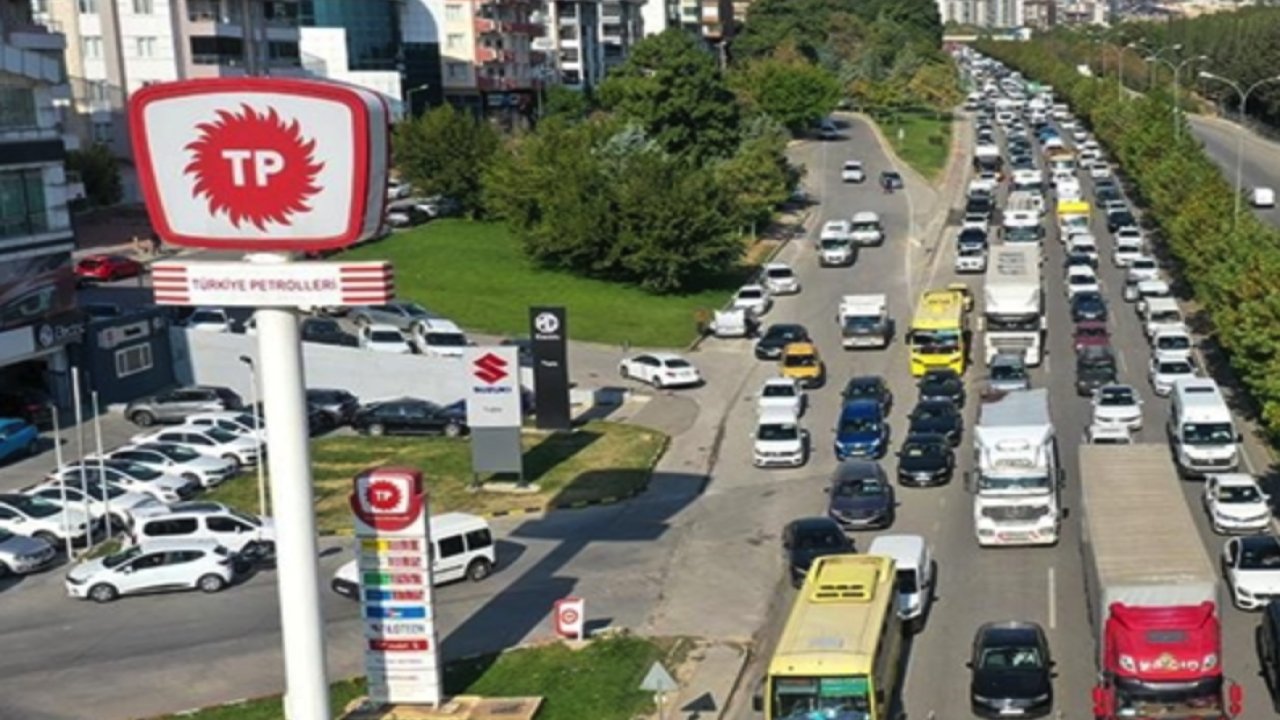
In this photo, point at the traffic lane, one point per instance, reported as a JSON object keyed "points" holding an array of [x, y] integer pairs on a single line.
{"points": [[1260, 164]]}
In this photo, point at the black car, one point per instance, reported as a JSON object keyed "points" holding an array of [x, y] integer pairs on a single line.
{"points": [[891, 180], [336, 407], [860, 496], [327, 331], [941, 384], [1088, 305], [925, 460], [1107, 187], [971, 236], [940, 417], [1078, 258], [868, 387], [1011, 670], [28, 404], [410, 416], [1117, 219], [1095, 367], [808, 539], [979, 205], [777, 337]]}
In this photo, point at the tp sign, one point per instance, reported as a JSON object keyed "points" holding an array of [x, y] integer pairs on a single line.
{"points": [[569, 620], [261, 164], [236, 284]]}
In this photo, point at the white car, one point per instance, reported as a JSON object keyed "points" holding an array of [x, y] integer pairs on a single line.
{"points": [[209, 319], [179, 460], [1143, 267], [112, 500], [1083, 244], [754, 299], [782, 395], [1173, 340], [779, 279], [158, 566], [779, 440], [1236, 504], [971, 259], [240, 423], [1117, 405], [1160, 314], [130, 476], [1107, 435], [1099, 169], [1166, 369], [21, 555], [866, 229], [439, 338], [1078, 135], [836, 230], [42, 519], [1262, 197], [208, 441], [661, 370], [384, 338], [1137, 292], [853, 172], [1082, 278], [1252, 568], [239, 532]]}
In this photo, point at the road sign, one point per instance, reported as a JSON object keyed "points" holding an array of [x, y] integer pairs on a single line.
{"points": [[310, 284], [569, 619], [261, 164], [658, 680]]}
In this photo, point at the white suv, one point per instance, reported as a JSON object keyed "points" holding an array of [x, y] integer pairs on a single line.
{"points": [[160, 566], [208, 441], [779, 440], [439, 338], [112, 501], [237, 531]]}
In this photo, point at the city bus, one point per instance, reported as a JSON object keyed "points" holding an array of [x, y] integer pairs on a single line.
{"points": [[938, 331], [840, 653]]}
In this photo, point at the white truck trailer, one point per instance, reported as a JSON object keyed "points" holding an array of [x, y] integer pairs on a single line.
{"points": [[1017, 479], [1013, 303], [864, 321]]}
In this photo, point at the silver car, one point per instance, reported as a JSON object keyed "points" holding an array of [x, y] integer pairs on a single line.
{"points": [[1007, 372], [402, 315], [173, 406], [20, 554]]}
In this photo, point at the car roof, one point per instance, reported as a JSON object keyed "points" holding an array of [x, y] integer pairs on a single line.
{"points": [[171, 543], [814, 524], [778, 416], [865, 216], [382, 327], [665, 356], [452, 522], [800, 348], [440, 325], [200, 507], [855, 469], [776, 266], [754, 287], [789, 382], [906, 550], [1171, 356], [1236, 479]]}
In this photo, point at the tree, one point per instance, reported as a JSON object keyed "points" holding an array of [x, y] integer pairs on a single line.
{"points": [[788, 88], [445, 152], [935, 85], [99, 173], [561, 101], [758, 177], [672, 88]]}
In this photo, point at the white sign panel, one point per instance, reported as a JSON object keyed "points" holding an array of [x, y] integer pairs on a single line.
{"points": [[239, 284], [493, 387], [397, 604]]}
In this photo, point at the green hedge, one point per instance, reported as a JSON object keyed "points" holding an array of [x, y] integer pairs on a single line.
{"points": [[1233, 273]]}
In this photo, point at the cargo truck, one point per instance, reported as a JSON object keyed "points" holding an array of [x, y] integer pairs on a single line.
{"points": [[1018, 478], [1013, 303], [1151, 590], [864, 321]]}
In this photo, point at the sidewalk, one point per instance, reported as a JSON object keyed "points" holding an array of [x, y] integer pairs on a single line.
{"points": [[709, 679]]}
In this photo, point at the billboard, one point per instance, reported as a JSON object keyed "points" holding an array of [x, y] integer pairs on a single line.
{"points": [[548, 330]]}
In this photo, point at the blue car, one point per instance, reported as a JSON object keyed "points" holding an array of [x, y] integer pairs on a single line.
{"points": [[861, 431], [18, 437]]}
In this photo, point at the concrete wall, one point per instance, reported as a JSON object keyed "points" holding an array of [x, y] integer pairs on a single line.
{"points": [[213, 359]]}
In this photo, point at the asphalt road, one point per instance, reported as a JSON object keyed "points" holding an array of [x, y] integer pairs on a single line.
{"points": [[1260, 157], [1044, 585]]}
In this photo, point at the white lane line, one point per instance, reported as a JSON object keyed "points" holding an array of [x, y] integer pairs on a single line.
{"points": [[1053, 599], [1124, 369]]}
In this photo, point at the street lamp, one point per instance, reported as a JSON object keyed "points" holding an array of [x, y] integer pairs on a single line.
{"points": [[1177, 70], [257, 434], [1120, 69], [1244, 102], [408, 97]]}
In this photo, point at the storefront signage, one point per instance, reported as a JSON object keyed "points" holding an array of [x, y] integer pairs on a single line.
{"points": [[261, 164], [233, 284], [402, 662], [493, 387]]}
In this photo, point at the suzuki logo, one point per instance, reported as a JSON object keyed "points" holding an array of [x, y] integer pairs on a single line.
{"points": [[490, 368]]}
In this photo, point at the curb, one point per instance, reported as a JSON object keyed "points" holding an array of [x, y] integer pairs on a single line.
{"points": [[748, 654]]}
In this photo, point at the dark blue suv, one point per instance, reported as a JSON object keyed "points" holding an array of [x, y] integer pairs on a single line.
{"points": [[861, 431]]}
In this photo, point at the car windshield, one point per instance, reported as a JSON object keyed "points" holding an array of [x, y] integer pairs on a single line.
{"points": [[779, 273], [246, 517], [413, 310], [321, 327], [800, 360], [1095, 363], [1011, 657], [834, 243], [178, 453], [860, 488], [861, 322], [855, 425], [922, 450], [1091, 332], [32, 506], [779, 332], [1116, 397], [446, 339], [1013, 482], [220, 435], [1260, 556], [120, 558], [1165, 316], [866, 227], [936, 341], [931, 412], [1208, 434], [750, 294], [826, 698], [1008, 372], [908, 583], [777, 432], [1239, 494], [861, 390], [820, 540], [778, 390], [386, 336], [1175, 367], [1173, 342]]}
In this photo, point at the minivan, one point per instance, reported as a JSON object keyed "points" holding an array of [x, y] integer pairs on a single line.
{"points": [[915, 573], [1201, 429], [461, 547], [237, 531]]}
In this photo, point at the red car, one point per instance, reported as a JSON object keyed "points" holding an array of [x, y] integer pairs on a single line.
{"points": [[1090, 333], [105, 268]]}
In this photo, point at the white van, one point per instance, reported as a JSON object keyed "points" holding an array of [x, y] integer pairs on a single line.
{"points": [[1160, 313], [914, 562], [1201, 429], [461, 547], [866, 229]]}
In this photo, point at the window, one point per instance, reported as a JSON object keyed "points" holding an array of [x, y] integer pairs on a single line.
{"points": [[17, 108], [97, 90], [479, 539], [22, 203], [91, 47], [143, 7], [178, 557], [165, 528], [225, 525], [283, 53], [102, 132], [146, 562], [450, 546], [280, 12], [454, 41], [88, 6], [217, 50], [453, 12], [144, 46], [135, 358], [456, 70]]}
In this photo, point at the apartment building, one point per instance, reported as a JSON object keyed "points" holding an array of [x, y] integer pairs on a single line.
{"points": [[711, 20], [115, 47], [983, 13], [488, 61], [584, 40], [37, 286]]}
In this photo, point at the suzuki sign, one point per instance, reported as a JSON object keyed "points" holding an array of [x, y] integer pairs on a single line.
{"points": [[493, 387], [261, 164]]}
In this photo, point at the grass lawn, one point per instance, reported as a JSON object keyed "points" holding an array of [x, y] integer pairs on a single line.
{"points": [[476, 275], [597, 460], [598, 682], [926, 139]]}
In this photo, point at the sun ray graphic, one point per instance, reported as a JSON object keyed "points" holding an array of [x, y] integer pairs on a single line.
{"points": [[226, 175]]}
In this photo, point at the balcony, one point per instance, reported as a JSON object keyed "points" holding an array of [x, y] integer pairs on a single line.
{"points": [[489, 56], [38, 38]]}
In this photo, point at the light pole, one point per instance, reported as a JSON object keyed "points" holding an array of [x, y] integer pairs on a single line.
{"points": [[1177, 71], [408, 98], [1244, 102], [1120, 70], [257, 434]]}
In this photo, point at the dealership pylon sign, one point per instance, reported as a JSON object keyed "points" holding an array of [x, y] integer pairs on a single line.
{"points": [[397, 607]]}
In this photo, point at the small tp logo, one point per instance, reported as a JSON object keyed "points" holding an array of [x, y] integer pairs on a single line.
{"points": [[490, 368], [388, 498]]}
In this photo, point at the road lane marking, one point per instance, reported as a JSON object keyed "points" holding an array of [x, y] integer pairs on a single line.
{"points": [[1053, 600]]}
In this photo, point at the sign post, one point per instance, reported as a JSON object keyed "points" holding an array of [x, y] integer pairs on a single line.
{"points": [[548, 332], [493, 409], [570, 619], [393, 551], [267, 166]]}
